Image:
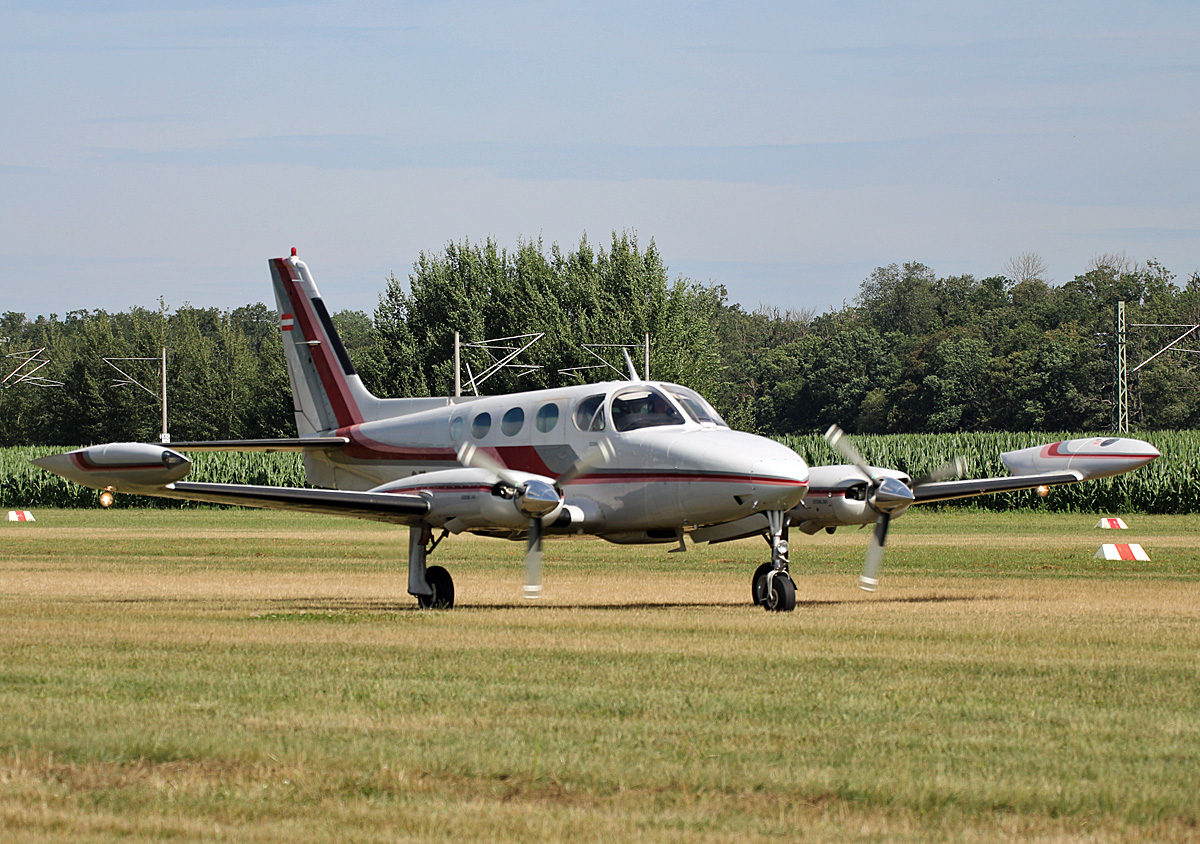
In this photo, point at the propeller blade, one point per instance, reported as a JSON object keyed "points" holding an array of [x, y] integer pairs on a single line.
{"points": [[533, 561], [955, 468], [868, 581], [888, 496], [471, 456], [841, 443], [536, 497], [602, 453]]}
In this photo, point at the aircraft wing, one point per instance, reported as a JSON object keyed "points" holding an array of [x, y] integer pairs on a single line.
{"points": [[268, 445], [1066, 462], [394, 508], [947, 490], [155, 470], [854, 493]]}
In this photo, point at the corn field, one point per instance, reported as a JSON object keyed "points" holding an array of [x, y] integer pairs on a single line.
{"points": [[1170, 484]]}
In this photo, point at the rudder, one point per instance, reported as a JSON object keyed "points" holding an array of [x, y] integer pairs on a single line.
{"points": [[327, 393]]}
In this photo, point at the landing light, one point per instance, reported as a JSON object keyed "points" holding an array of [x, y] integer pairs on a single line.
{"points": [[106, 498], [1043, 491]]}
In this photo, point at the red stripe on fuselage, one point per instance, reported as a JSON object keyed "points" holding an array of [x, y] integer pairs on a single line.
{"points": [[522, 458], [337, 390], [527, 459], [365, 448]]}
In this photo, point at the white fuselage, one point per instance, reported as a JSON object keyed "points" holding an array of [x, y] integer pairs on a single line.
{"points": [[674, 463]]}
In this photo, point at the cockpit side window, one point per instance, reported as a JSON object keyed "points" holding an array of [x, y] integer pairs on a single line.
{"points": [[697, 408], [589, 414], [643, 407]]}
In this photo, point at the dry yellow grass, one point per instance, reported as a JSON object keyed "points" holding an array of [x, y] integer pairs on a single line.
{"points": [[264, 677]]}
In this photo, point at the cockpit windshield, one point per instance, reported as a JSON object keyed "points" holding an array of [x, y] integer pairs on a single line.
{"points": [[697, 408], [643, 407]]}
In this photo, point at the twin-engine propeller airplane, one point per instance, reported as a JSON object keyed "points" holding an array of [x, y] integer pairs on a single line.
{"points": [[629, 461]]}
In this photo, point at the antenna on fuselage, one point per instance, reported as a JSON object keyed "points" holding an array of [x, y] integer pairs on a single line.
{"points": [[502, 353], [633, 376], [590, 348]]}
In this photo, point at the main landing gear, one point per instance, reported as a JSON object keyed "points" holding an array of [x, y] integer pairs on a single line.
{"points": [[772, 586], [432, 585], [773, 589]]}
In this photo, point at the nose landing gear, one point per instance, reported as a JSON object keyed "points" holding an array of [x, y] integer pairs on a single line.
{"points": [[772, 586]]}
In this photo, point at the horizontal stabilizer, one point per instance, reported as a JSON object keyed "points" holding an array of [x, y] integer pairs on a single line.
{"points": [[283, 444]]}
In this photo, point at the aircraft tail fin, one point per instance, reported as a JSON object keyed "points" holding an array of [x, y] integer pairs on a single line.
{"points": [[327, 392]]}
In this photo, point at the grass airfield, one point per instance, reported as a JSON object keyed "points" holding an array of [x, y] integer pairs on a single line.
{"points": [[201, 675]]}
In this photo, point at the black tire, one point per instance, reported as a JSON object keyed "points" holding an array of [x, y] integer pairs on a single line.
{"points": [[758, 585], [443, 590], [781, 597]]}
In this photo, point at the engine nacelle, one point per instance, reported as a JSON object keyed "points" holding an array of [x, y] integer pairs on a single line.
{"points": [[839, 495], [123, 467], [473, 498]]}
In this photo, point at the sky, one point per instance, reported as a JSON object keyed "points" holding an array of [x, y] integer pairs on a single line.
{"points": [[781, 149]]}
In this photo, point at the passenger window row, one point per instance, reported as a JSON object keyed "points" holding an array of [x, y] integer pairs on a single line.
{"points": [[634, 407], [510, 424]]}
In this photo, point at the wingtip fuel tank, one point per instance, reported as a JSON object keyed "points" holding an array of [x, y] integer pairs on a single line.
{"points": [[118, 466], [1092, 457]]}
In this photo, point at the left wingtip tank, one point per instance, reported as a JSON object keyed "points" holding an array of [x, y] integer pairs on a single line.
{"points": [[119, 466], [1093, 457]]}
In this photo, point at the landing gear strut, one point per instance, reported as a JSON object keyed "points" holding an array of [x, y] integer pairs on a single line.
{"points": [[772, 586], [432, 586]]}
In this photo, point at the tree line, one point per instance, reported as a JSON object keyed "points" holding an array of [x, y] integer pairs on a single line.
{"points": [[913, 352]]}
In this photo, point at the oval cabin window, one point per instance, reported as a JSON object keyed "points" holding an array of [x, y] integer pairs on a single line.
{"points": [[547, 418], [512, 422], [480, 425]]}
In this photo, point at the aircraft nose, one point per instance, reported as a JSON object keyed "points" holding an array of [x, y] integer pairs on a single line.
{"points": [[779, 483]]}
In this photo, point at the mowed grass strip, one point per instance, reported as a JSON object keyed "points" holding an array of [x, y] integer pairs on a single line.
{"points": [[264, 676]]}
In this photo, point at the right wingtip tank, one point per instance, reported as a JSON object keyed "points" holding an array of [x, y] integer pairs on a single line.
{"points": [[1093, 457]]}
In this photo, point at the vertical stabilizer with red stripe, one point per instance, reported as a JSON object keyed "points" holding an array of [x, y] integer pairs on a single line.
{"points": [[326, 390]]}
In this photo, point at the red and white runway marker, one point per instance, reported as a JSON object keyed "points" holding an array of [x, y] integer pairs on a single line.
{"points": [[1112, 524], [20, 516], [1121, 552]]}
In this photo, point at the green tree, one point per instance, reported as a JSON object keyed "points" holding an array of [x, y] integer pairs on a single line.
{"points": [[605, 296]]}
